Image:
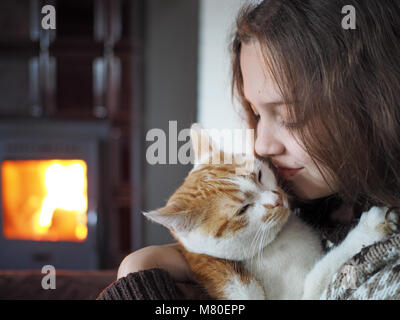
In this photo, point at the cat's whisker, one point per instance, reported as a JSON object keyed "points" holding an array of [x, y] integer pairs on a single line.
{"points": [[258, 251], [251, 249], [262, 244], [254, 244], [255, 240], [259, 246]]}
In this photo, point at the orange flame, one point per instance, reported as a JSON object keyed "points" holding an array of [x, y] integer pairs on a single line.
{"points": [[51, 195]]}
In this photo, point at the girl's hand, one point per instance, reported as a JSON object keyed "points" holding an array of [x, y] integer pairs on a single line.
{"points": [[166, 257]]}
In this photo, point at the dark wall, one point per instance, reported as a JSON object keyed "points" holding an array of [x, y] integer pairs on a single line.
{"points": [[171, 62]]}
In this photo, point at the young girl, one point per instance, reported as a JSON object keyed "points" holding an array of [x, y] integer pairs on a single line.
{"points": [[324, 101]]}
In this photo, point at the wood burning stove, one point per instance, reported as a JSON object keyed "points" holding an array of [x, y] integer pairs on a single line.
{"points": [[63, 93], [51, 193]]}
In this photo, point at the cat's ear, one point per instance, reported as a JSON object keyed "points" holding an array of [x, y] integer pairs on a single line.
{"points": [[205, 150], [170, 217]]}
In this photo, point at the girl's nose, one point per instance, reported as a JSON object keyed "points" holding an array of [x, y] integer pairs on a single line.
{"points": [[267, 144]]}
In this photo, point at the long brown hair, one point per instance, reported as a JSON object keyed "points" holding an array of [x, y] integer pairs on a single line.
{"points": [[341, 87]]}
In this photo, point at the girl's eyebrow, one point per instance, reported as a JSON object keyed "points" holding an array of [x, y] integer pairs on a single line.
{"points": [[268, 104], [273, 103]]}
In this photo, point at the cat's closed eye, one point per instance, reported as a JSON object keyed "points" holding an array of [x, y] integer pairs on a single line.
{"points": [[243, 209], [259, 176]]}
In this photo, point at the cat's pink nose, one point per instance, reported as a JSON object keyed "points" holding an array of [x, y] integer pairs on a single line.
{"points": [[272, 199], [278, 202]]}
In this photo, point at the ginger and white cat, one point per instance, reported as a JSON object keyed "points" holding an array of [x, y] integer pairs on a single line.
{"points": [[240, 238]]}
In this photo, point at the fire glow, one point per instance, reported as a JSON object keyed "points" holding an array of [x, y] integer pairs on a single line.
{"points": [[45, 200]]}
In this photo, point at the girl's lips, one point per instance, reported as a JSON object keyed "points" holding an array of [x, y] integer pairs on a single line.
{"points": [[287, 173]]}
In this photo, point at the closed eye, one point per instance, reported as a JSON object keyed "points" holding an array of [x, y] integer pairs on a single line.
{"points": [[259, 176], [243, 209]]}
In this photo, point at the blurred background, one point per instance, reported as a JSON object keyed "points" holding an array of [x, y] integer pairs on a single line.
{"points": [[76, 104]]}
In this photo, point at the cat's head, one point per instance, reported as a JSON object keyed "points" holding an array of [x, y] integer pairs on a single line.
{"points": [[225, 210]]}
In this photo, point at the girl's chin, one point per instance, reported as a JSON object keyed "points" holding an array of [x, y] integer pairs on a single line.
{"points": [[305, 190]]}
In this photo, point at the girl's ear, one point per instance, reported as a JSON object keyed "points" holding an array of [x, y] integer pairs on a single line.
{"points": [[170, 217], [205, 151]]}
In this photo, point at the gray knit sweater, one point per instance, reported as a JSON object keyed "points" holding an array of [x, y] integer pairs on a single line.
{"points": [[374, 273]]}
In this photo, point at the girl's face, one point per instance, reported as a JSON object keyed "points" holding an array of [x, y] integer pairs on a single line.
{"points": [[273, 137]]}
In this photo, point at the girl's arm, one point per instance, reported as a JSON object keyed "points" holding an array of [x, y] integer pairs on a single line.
{"points": [[166, 257], [154, 273]]}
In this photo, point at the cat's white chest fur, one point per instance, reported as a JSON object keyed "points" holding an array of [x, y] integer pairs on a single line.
{"points": [[283, 265]]}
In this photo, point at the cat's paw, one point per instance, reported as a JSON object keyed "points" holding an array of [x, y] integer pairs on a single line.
{"points": [[378, 221], [237, 290]]}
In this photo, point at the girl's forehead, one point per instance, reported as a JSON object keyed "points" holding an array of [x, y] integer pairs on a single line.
{"points": [[258, 85]]}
